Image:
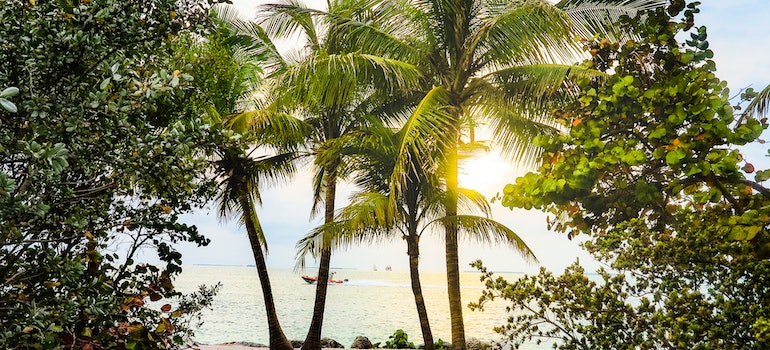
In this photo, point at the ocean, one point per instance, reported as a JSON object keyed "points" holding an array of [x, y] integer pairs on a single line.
{"points": [[372, 303]]}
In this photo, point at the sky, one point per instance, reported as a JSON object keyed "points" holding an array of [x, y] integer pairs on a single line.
{"points": [[739, 35]]}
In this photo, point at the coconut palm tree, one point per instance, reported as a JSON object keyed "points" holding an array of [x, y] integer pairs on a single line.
{"points": [[239, 195], [234, 75], [372, 215], [498, 63], [328, 86]]}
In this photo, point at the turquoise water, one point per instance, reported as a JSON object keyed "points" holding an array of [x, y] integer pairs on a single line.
{"points": [[371, 303]]}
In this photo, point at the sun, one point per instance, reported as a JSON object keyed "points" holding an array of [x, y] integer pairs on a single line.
{"points": [[486, 173]]}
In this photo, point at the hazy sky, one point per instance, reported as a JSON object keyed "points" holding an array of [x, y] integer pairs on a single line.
{"points": [[739, 35]]}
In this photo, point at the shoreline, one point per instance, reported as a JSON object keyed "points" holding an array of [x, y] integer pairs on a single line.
{"points": [[472, 344], [231, 346]]}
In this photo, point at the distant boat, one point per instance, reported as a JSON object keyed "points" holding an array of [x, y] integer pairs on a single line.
{"points": [[311, 280]]}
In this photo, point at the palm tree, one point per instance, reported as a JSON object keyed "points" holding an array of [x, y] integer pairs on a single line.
{"points": [[371, 215], [239, 194], [330, 87], [234, 78], [498, 63]]}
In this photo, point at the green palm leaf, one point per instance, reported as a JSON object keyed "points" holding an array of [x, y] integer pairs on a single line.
{"points": [[421, 135], [367, 219], [524, 33], [592, 17], [471, 200], [241, 173], [250, 40], [289, 19], [535, 84], [326, 81], [277, 129], [760, 104], [488, 231]]}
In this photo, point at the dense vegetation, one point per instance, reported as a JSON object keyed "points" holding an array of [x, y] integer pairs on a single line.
{"points": [[98, 160], [651, 170]]}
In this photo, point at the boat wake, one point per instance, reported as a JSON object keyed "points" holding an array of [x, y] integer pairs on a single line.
{"points": [[376, 283]]}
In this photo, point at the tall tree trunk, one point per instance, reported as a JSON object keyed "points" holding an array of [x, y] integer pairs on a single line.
{"points": [[313, 338], [278, 339], [452, 261], [413, 249]]}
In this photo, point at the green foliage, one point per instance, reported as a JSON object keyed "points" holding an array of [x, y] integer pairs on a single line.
{"points": [[98, 160], [440, 345], [661, 133], [5, 103], [399, 340], [651, 172]]}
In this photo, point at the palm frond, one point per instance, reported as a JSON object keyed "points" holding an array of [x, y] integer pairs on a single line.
{"points": [[470, 200], [422, 133], [374, 158], [290, 19], [334, 236], [515, 134], [525, 33], [270, 127], [468, 150], [273, 168], [535, 84], [241, 176], [331, 81], [760, 104], [250, 40], [382, 28], [513, 125], [308, 246], [367, 209], [366, 219], [485, 230], [592, 17], [319, 177]]}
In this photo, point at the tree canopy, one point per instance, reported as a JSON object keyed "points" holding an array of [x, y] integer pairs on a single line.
{"points": [[651, 170], [98, 160]]}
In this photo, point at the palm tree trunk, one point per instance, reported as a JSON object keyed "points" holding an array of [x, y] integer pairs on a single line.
{"points": [[414, 260], [278, 339], [313, 338], [452, 261]]}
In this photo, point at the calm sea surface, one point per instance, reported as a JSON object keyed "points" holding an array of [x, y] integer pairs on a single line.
{"points": [[371, 303]]}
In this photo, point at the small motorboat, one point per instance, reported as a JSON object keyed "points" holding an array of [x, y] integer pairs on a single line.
{"points": [[311, 280]]}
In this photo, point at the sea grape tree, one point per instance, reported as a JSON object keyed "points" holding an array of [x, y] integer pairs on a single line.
{"points": [[98, 160], [652, 171]]}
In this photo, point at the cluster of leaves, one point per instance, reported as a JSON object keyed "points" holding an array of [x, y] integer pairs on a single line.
{"points": [[399, 340], [97, 162], [668, 145], [5, 103], [651, 171]]}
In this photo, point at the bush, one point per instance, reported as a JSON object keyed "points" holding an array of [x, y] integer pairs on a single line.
{"points": [[399, 340], [97, 164]]}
